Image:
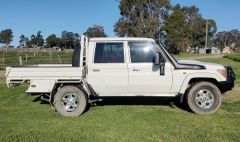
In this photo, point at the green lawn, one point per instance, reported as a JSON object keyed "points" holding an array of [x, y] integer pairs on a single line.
{"points": [[22, 119]]}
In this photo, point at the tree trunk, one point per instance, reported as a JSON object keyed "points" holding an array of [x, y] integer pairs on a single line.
{"points": [[225, 42]]}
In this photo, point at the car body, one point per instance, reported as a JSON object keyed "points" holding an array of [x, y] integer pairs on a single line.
{"points": [[122, 67]]}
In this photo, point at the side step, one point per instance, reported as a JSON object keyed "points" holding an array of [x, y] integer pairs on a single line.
{"points": [[91, 101], [45, 97]]}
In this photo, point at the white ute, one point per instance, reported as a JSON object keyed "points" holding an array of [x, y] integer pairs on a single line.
{"points": [[124, 67]]}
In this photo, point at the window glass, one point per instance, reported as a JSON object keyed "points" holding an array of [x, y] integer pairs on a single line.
{"points": [[109, 53], [142, 52]]}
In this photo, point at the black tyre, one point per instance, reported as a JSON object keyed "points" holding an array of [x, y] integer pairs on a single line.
{"points": [[204, 98], [70, 101], [76, 57]]}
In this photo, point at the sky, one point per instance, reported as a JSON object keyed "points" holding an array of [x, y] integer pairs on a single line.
{"points": [[53, 16]]}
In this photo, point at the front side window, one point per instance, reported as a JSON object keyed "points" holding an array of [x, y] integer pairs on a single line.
{"points": [[142, 52], [109, 53]]}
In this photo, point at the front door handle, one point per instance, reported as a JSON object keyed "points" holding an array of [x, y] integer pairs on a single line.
{"points": [[96, 70], [136, 69]]}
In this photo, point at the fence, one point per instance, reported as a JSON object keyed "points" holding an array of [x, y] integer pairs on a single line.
{"points": [[37, 50], [13, 57]]}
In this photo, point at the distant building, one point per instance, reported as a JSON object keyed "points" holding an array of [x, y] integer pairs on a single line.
{"points": [[212, 50], [192, 50], [227, 50], [59, 49], [215, 50]]}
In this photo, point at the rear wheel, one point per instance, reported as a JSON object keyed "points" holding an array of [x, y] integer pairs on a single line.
{"points": [[70, 101], [204, 98]]}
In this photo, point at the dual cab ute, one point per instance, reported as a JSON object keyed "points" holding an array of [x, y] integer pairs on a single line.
{"points": [[124, 67]]}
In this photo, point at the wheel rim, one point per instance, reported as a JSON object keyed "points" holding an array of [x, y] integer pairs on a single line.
{"points": [[70, 102], [204, 98]]}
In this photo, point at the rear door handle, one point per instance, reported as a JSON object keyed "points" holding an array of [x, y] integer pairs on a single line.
{"points": [[136, 69], [96, 70]]}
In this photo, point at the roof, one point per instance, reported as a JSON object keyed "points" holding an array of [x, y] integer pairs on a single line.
{"points": [[121, 39]]}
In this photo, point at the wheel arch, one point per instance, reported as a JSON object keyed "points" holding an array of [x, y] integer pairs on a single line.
{"points": [[197, 77], [81, 85]]}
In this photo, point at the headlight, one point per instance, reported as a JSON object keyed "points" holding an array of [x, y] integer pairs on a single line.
{"points": [[223, 72]]}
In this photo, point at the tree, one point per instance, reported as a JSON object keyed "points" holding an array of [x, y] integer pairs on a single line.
{"points": [[33, 41], [69, 40], [179, 31], [195, 25], [37, 40], [22, 40], [95, 31], [6, 37], [191, 13], [52, 40], [28, 42], [198, 26], [226, 38], [141, 18]]}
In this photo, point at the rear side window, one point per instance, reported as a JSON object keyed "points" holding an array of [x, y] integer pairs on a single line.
{"points": [[142, 52], [109, 53]]}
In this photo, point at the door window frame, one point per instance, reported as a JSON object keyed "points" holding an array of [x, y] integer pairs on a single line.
{"points": [[124, 52], [129, 53]]}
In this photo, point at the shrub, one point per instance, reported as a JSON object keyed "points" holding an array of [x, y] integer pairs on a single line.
{"points": [[234, 56]]}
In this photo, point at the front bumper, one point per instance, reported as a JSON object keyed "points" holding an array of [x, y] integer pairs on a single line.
{"points": [[227, 85]]}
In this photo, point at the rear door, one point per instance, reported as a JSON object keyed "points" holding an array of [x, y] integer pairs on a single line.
{"points": [[108, 73], [144, 75]]}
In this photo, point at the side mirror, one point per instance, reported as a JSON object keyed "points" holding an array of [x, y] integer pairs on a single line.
{"points": [[162, 67], [159, 60]]}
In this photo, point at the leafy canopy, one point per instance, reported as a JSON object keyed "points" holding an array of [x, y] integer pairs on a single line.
{"points": [[141, 18], [95, 31], [6, 36]]}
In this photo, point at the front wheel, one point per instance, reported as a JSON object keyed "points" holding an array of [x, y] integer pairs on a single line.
{"points": [[70, 101], [204, 98]]}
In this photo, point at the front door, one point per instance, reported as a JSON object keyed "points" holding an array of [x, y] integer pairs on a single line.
{"points": [[144, 75], [108, 74]]}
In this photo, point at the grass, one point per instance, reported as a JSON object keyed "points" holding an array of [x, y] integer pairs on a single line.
{"points": [[194, 56], [234, 56], [23, 119], [186, 55]]}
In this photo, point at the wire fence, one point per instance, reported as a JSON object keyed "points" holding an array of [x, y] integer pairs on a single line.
{"points": [[18, 57]]}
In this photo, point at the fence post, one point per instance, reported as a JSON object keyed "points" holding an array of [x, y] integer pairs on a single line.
{"points": [[60, 61], [50, 57], [26, 58], [3, 59], [20, 60], [34, 53]]}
